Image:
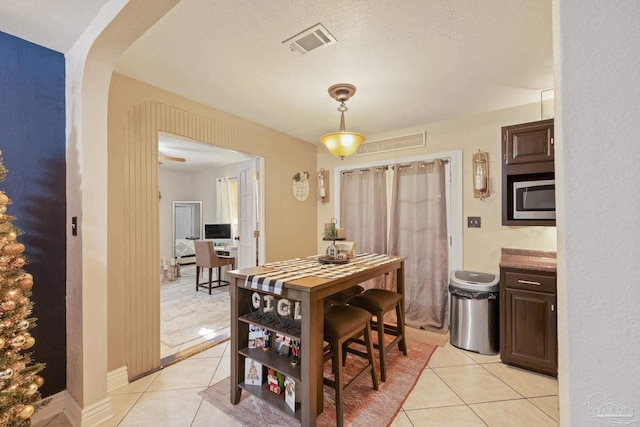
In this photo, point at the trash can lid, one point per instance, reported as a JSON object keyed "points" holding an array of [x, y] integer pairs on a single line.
{"points": [[475, 281]]}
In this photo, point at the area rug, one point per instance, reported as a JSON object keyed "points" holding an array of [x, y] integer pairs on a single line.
{"points": [[188, 315], [363, 405]]}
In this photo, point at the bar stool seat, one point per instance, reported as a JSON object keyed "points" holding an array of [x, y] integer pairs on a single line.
{"points": [[379, 302], [341, 324]]}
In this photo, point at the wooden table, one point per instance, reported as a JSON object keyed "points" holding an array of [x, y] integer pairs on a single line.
{"points": [[310, 291]]}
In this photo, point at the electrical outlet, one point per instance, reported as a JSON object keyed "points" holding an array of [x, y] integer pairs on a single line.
{"points": [[473, 222]]}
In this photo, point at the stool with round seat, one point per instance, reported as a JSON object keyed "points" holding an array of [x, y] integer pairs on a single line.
{"points": [[342, 323], [379, 302]]}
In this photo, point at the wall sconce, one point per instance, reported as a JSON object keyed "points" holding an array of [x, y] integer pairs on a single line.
{"points": [[481, 175], [323, 186]]}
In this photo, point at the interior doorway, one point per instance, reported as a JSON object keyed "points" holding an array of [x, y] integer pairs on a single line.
{"points": [[191, 197]]}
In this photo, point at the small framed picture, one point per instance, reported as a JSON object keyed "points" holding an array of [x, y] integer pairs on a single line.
{"points": [[282, 345], [290, 393], [252, 372]]}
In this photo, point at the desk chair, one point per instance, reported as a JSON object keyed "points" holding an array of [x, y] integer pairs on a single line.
{"points": [[206, 257]]}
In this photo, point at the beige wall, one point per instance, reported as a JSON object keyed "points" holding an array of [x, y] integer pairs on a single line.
{"points": [[469, 134], [289, 224]]}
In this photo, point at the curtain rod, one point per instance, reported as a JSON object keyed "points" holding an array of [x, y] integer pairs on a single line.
{"points": [[399, 165]]}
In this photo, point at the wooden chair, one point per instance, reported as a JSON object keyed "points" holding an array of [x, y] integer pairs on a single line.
{"points": [[379, 302], [206, 257], [342, 324]]}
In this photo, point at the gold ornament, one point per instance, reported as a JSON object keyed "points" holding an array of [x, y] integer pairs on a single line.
{"points": [[8, 305], [32, 388], [39, 381], [3, 209], [23, 324], [29, 342], [26, 283], [6, 374], [4, 199], [26, 412], [13, 248], [18, 341], [17, 262]]}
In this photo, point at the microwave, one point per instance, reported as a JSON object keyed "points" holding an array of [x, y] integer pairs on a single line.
{"points": [[534, 199]]}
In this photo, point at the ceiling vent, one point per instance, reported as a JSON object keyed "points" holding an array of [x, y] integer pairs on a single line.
{"points": [[310, 39]]}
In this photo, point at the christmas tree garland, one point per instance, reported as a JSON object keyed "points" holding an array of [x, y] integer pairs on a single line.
{"points": [[19, 379]]}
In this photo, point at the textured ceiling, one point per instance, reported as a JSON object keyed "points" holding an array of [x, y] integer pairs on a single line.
{"points": [[414, 62]]}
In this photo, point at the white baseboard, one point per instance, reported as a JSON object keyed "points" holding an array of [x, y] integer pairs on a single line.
{"points": [[117, 378], [91, 416]]}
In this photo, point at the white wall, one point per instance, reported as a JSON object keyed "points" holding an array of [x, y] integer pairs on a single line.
{"points": [[597, 59], [188, 186]]}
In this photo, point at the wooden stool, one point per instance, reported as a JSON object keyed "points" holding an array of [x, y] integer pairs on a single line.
{"points": [[341, 324], [379, 302]]}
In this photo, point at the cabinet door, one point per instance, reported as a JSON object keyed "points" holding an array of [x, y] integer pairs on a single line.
{"points": [[528, 142], [529, 334]]}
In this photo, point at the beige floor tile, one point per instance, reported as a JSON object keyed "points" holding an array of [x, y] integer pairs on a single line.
{"points": [[449, 356], [121, 404], [137, 386], [430, 392], [188, 373], [210, 416], [549, 405], [474, 384], [169, 408], [401, 420], [223, 370], [458, 416], [58, 421], [527, 383], [505, 413]]}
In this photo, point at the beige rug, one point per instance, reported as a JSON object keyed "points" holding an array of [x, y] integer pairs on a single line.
{"points": [[363, 405], [188, 315]]}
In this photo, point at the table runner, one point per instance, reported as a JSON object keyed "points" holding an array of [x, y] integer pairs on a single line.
{"points": [[287, 271]]}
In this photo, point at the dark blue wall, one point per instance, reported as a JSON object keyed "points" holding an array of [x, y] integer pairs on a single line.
{"points": [[32, 140]]}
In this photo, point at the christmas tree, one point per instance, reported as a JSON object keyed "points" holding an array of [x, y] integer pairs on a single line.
{"points": [[19, 379]]}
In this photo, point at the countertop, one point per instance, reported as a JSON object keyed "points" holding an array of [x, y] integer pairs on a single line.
{"points": [[528, 259]]}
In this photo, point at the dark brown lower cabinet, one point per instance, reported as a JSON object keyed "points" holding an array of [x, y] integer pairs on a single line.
{"points": [[528, 320]]}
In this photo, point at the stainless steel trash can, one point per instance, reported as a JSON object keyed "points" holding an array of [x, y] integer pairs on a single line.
{"points": [[474, 311]]}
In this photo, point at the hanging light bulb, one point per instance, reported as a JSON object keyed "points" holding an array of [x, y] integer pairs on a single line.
{"points": [[342, 143]]}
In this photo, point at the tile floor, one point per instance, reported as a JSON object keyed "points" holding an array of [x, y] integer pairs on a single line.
{"points": [[458, 388]]}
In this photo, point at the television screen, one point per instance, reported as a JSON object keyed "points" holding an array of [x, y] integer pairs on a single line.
{"points": [[217, 231]]}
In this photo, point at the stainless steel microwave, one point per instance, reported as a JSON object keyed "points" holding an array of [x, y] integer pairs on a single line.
{"points": [[534, 199]]}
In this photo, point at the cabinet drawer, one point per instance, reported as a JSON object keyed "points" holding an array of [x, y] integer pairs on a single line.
{"points": [[532, 281]]}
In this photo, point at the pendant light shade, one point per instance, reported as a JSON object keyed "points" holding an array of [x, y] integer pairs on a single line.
{"points": [[342, 143]]}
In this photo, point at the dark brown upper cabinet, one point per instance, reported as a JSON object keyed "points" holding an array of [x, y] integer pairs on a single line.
{"points": [[527, 155]]}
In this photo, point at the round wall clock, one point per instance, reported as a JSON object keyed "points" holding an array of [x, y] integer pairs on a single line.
{"points": [[300, 186]]}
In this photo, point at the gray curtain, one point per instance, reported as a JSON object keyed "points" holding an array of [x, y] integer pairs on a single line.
{"points": [[363, 211], [418, 231]]}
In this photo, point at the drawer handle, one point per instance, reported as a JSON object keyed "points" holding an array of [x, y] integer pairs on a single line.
{"points": [[528, 282]]}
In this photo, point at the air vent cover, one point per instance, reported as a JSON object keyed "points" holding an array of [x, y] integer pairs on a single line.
{"points": [[310, 39]]}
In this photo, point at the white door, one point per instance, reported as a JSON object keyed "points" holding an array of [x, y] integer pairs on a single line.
{"points": [[250, 245]]}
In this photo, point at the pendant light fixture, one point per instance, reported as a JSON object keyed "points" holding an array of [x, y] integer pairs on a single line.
{"points": [[342, 143]]}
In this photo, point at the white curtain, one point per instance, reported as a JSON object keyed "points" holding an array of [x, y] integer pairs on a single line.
{"points": [[223, 201], [363, 212], [418, 231]]}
